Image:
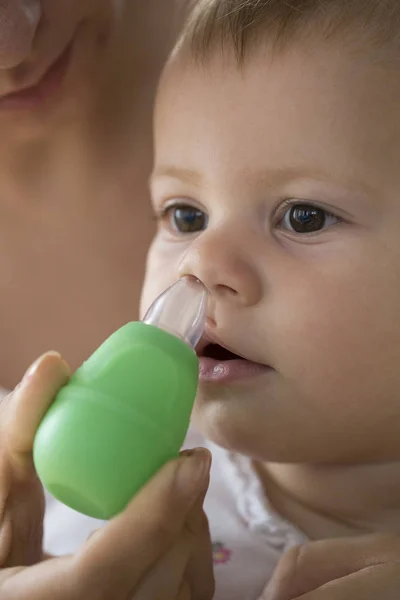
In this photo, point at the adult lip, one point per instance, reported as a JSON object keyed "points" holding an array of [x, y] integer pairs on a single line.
{"points": [[28, 95], [225, 370]]}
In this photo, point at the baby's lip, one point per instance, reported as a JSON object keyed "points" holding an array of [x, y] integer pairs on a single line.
{"points": [[210, 338]]}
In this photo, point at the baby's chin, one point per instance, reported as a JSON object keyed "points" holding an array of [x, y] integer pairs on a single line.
{"points": [[240, 424], [270, 427]]}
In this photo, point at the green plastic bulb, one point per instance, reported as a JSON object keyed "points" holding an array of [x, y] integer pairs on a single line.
{"points": [[125, 412]]}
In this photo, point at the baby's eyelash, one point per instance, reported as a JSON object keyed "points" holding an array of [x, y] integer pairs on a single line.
{"points": [[304, 218], [291, 203], [159, 213]]}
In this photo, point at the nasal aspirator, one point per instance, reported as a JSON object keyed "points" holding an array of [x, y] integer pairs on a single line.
{"points": [[125, 412]]}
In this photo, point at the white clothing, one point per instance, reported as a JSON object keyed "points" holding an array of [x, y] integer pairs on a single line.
{"points": [[248, 537]]}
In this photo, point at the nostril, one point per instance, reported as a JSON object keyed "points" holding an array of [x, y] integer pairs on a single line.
{"points": [[225, 290]]}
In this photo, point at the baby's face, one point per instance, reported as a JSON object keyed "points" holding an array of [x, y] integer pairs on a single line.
{"points": [[279, 185]]}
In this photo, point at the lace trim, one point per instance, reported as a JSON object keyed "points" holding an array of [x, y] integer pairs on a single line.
{"points": [[252, 504]]}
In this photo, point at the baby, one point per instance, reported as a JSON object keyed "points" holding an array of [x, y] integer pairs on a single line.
{"points": [[276, 183], [277, 136]]}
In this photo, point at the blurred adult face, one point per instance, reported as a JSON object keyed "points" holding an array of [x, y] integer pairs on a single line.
{"points": [[50, 51]]}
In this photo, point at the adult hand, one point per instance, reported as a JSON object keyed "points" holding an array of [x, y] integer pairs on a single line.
{"points": [[360, 568], [143, 554], [21, 493], [159, 547]]}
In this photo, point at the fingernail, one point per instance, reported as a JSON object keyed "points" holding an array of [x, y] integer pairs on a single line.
{"points": [[194, 471], [35, 365]]}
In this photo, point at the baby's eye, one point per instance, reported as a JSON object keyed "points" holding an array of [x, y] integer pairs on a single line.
{"points": [[307, 218], [183, 218]]}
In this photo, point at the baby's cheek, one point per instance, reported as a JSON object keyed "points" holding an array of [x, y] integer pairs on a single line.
{"points": [[160, 274], [326, 343]]}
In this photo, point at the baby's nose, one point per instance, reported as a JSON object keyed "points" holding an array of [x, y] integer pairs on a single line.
{"points": [[19, 20], [225, 268]]}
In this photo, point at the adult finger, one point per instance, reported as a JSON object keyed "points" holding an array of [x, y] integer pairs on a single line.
{"points": [[22, 411], [164, 580], [21, 493], [310, 566], [48, 580], [115, 561], [184, 592], [186, 570], [199, 573], [119, 557], [372, 583]]}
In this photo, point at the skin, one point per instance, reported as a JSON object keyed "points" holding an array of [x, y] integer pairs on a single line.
{"points": [[177, 557], [360, 568], [163, 532], [76, 221], [320, 309]]}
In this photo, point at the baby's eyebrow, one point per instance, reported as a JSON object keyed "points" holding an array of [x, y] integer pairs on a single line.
{"points": [[274, 175], [185, 175], [282, 174], [277, 176]]}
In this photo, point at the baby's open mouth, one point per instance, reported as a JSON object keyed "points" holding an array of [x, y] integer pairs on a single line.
{"points": [[220, 365], [219, 353]]}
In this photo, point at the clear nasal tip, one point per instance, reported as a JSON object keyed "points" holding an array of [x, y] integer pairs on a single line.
{"points": [[181, 310]]}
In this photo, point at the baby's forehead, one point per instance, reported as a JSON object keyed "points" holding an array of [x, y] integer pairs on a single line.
{"points": [[316, 105], [312, 61], [315, 76]]}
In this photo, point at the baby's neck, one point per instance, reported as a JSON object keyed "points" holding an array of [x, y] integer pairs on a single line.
{"points": [[334, 501]]}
